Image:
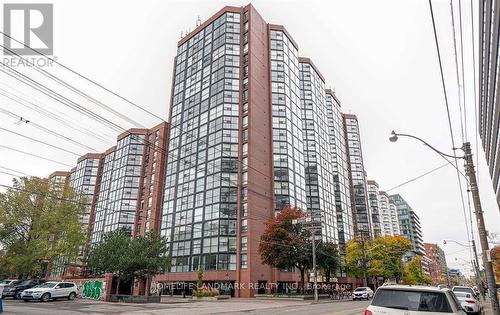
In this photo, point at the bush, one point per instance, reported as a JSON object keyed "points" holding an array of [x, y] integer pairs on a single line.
{"points": [[204, 292]]}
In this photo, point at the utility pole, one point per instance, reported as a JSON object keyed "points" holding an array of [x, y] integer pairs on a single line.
{"points": [[483, 238], [363, 262], [314, 265], [477, 269], [308, 224]]}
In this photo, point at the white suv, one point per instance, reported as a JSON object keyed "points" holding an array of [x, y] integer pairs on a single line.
{"points": [[415, 300], [362, 293], [50, 290]]}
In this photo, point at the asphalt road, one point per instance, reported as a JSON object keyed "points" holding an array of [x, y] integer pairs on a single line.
{"points": [[233, 306]]}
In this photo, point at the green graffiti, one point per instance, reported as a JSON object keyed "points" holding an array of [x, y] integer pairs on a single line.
{"points": [[92, 290]]}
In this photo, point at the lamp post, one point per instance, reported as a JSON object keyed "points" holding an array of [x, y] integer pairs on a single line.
{"points": [[483, 238]]}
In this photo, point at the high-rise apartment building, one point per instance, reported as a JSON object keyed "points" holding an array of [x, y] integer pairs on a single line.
{"points": [[251, 133], [488, 75], [437, 265], [389, 224], [362, 218], [393, 213], [318, 157], [373, 197], [340, 169], [122, 188], [409, 225]]}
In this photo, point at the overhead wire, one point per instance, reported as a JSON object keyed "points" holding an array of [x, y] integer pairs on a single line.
{"points": [[436, 40]]}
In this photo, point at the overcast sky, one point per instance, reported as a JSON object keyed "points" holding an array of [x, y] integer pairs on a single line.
{"points": [[379, 57]]}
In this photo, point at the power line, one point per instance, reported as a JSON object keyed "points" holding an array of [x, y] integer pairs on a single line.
{"points": [[39, 141], [58, 97], [51, 114], [12, 170], [76, 90], [418, 177], [457, 72], [11, 174], [476, 107], [34, 155], [44, 195], [28, 121], [448, 115], [463, 68], [86, 78]]}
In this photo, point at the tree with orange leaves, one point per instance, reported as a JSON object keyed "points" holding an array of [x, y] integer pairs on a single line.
{"points": [[286, 245]]}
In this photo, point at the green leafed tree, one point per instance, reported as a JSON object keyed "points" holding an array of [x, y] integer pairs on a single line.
{"points": [[286, 245], [147, 256], [328, 259], [386, 254], [414, 274], [127, 258], [110, 255], [354, 258], [38, 223]]}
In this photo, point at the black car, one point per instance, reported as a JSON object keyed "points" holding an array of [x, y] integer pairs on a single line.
{"points": [[14, 289]]}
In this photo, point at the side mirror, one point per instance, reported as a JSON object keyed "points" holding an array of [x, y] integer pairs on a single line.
{"points": [[58, 287]]}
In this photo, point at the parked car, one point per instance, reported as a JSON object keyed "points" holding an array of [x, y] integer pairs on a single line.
{"points": [[6, 282], [15, 288], [50, 290], [415, 300], [362, 293], [464, 289], [470, 304]]}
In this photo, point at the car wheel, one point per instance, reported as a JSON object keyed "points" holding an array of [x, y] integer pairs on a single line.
{"points": [[45, 297], [25, 300], [71, 296]]}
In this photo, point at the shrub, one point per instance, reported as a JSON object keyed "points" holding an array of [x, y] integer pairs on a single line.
{"points": [[204, 292]]}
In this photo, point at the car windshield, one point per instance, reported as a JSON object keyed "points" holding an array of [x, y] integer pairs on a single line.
{"points": [[462, 295], [46, 285], [16, 282], [421, 301], [5, 281], [360, 289], [459, 289]]}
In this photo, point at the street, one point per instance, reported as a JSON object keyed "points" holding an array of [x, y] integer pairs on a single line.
{"points": [[234, 306]]}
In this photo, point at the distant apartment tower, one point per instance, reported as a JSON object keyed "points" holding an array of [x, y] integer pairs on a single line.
{"points": [[318, 157], [488, 74], [362, 219], [389, 225], [393, 213], [409, 224], [373, 197], [250, 135], [131, 183], [437, 265], [340, 169]]}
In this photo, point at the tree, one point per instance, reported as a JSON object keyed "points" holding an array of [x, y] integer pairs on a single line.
{"points": [[495, 256], [386, 254], [354, 258], [38, 223], [147, 256], [128, 258], [286, 245], [413, 273], [328, 258], [110, 255], [383, 255]]}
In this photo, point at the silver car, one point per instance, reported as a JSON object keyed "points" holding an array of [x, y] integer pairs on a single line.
{"points": [[470, 304], [362, 293], [50, 290]]}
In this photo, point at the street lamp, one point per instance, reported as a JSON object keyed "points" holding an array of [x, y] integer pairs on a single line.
{"points": [[472, 181]]}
